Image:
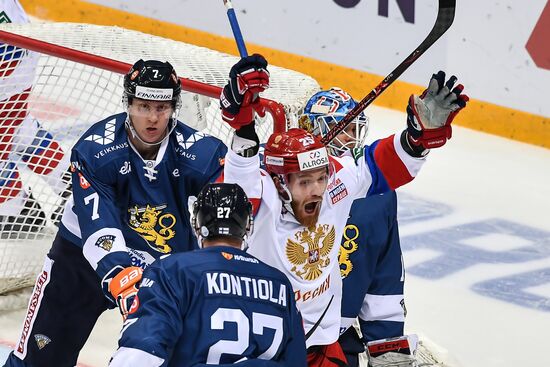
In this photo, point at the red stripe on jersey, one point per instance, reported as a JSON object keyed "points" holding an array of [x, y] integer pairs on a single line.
{"points": [[335, 166], [330, 355], [392, 167], [256, 202], [219, 179]]}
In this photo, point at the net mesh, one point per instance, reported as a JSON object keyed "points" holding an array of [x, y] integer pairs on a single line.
{"points": [[47, 102]]}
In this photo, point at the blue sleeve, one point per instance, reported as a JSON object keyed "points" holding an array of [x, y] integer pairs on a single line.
{"points": [[384, 299], [212, 166], [103, 243], [156, 325], [379, 184]]}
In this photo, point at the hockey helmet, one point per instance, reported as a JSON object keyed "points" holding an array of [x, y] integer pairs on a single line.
{"points": [[222, 209], [292, 151], [326, 108], [154, 81]]}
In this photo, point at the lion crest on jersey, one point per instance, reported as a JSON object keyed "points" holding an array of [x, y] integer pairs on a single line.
{"points": [[145, 221], [309, 254]]}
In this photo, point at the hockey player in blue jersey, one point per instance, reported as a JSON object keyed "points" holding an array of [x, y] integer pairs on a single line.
{"points": [[215, 306], [370, 252], [132, 176]]}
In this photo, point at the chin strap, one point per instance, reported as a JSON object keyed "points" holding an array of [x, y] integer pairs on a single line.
{"points": [[286, 192], [135, 135], [130, 126]]}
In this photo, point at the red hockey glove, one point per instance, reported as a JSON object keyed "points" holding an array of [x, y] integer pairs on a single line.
{"points": [[124, 287], [239, 97], [429, 116]]}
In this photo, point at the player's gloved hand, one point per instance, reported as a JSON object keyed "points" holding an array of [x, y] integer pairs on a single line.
{"points": [[124, 287], [239, 98], [429, 116], [394, 352]]}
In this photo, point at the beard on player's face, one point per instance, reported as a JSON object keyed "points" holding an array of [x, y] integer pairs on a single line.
{"points": [[307, 212], [307, 189]]}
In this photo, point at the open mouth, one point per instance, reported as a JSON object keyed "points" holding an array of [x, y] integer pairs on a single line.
{"points": [[310, 208]]}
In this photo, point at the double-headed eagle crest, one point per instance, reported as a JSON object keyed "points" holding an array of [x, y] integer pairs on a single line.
{"points": [[310, 254]]}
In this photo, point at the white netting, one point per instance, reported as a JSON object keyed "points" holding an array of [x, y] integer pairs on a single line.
{"points": [[66, 98]]}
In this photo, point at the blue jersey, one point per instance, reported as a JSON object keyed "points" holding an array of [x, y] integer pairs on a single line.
{"points": [[217, 305], [372, 269], [129, 211]]}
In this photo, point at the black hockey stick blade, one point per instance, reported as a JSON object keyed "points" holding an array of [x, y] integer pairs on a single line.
{"points": [[445, 17]]}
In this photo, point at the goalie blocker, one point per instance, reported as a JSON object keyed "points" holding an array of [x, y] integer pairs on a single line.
{"points": [[394, 352]]}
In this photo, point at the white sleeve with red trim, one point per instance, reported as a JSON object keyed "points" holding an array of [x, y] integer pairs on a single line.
{"points": [[383, 166], [244, 171]]}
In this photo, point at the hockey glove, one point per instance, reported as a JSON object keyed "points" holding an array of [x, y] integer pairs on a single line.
{"points": [[394, 352], [239, 97], [124, 287], [429, 116]]}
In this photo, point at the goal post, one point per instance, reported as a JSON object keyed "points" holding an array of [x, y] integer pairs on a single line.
{"points": [[75, 80]]}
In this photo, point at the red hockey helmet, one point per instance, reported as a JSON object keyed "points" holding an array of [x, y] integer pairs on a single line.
{"points": [[292, 151]]}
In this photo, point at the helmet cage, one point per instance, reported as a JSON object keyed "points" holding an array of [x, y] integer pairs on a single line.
{"points": [[326, 108], [324, 123]]}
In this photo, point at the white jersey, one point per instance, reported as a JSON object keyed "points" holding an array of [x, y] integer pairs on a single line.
{"points": [[17, 66], [309, 256]]}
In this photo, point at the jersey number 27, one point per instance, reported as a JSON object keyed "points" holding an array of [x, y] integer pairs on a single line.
{"points": [[260, 321]]}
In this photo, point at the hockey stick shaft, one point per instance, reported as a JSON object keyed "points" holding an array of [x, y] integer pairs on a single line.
{"points": [[235, 28], [445, 17], [314, 327]]}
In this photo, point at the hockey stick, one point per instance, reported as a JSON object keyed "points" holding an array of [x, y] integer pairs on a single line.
{"points": [[314, 327], [235, 28], [445, 17]]}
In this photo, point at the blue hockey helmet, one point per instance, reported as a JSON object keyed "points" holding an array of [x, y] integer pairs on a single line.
{"points": [[324, 109]]}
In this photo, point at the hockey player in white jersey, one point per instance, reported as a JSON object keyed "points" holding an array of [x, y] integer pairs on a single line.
{"points": [[23, 140], [303, 198], [132, 175], [370, 251], [217, 305]]}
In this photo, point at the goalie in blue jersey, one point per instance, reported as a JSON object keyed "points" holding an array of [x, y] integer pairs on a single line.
{"points": [[132, 175], [214, 306]]}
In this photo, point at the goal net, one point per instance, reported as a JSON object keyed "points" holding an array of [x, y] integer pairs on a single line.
{"points": [[74, 73]]}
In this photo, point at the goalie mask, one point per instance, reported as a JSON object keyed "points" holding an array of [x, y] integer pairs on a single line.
{"points": [[221, 210], [324, 109], [152, 80]]}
